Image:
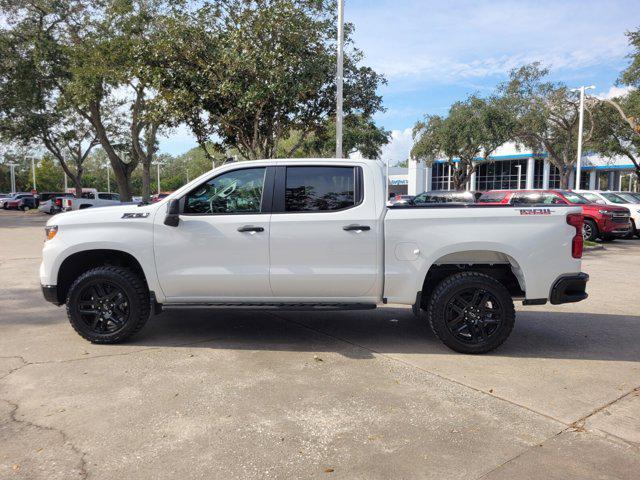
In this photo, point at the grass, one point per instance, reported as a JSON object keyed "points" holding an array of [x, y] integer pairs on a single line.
{"points": [[588, 243]]}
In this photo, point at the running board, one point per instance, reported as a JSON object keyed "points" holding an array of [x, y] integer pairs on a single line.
{"points": [[275, 306]]}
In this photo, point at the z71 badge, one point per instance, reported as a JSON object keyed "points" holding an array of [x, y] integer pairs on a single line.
{"points": [[535, 211], [135, 215]]}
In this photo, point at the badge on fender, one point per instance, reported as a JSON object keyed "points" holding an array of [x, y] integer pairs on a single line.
{"points": [[135, 215]]}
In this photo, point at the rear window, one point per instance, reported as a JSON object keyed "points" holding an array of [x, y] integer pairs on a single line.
{"points": [[535, 198], [492, 197], [316, 189]]}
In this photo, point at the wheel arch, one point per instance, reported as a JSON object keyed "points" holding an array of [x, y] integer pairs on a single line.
{"points": [[499, 265], [79, 262]]}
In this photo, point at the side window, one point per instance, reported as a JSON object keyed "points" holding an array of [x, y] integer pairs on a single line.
{"points": [[238, 191], [313, 189], [590, 196], [526, 199], [494, 197], [552, 199]]}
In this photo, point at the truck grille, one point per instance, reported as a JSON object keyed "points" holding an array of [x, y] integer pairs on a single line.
{"points": [[620, 218]]}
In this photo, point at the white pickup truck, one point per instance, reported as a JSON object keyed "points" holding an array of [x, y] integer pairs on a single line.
{"points": [[311, 234], [90, 198]]}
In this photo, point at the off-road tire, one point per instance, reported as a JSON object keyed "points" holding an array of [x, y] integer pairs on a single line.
{"points": [[457, 283], [137, 298]]}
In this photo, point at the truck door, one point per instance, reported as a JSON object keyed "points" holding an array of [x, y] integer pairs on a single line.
{"points": [[324, 235], [220, 248]]}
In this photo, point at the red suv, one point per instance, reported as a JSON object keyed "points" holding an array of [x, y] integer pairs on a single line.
{"points": [[600, 221]]}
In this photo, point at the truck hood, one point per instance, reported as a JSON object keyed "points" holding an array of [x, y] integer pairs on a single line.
{"points": [[106, 214], [606, 208]]}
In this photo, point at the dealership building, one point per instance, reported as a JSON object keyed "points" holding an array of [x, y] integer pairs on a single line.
{"points": [[512, 168]]}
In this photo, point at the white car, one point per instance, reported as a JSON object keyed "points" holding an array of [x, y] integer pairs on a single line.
{"points": [[621, 199], [311, 235]]}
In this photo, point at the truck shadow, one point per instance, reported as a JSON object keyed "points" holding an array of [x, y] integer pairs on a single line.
{"points": [[538, 334]]}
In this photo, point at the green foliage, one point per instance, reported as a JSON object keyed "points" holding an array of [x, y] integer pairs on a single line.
{"points": [[252, 75], [473, 129], [546, 116]]}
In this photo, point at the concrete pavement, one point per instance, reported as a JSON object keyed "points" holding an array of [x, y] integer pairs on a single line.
{"points": [[209, 394]]}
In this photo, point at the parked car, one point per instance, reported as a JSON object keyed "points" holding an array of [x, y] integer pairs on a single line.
{"points": [[600, 221], [446, 196], [159, 196], [310, 234], [91, 198], [611, 198], [11, 196], [400, 200], [51, 202], [22, 201]]}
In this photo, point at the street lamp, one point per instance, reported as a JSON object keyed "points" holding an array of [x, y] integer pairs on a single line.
{"points": [[580, 123], [339, 112], [33, 170], [106, 166], [158, 165], [13, 175]]}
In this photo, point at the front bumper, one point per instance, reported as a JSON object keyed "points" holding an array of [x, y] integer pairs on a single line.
{"points": [[50, 293], [569, 288]]}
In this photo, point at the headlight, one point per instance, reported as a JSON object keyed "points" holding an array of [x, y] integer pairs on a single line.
{"points": [[606, 212], [50, 232]]}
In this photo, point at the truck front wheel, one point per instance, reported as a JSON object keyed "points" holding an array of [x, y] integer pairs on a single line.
{"points": [[471, 312], [108, 304]]}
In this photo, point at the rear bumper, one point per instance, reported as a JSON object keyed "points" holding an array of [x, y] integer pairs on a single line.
{"points": [[569, 288], [50, 293]]}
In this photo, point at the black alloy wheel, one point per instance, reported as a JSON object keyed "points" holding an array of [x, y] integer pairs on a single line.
{"points": [[103, 307], [473, 315]]}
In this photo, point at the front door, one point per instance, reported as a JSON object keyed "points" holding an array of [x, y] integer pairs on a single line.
{"points": [[220, 249], [324, 235]]}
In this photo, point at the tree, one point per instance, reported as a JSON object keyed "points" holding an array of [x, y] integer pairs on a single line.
{"points": [[617, 120], [546, 116], [250, 74], [472, 130], [31, 110]]}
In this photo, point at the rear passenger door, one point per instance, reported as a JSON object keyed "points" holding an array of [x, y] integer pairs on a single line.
{"points": [[324, 233]]}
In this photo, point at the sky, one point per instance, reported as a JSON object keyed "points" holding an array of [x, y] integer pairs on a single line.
{"points": [[434, 53]]}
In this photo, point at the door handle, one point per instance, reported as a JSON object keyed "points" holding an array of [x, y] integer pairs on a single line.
{"points": [[250, 228], [356, 228]]}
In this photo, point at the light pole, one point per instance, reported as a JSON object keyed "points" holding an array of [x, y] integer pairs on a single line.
{"points": [[580, 123], [13, 176], [33, 170], [158, 165], [106, 166], [65, 182], [339, 79], [519, 167]]}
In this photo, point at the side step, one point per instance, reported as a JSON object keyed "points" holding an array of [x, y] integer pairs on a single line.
{"points": [[276, 306]]}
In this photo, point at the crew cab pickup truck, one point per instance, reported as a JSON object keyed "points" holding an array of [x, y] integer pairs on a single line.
{"points": [[90, 198], [311, 234]]}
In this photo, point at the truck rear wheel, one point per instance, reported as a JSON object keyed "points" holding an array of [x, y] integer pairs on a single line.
{"points": [[108, 304], [471, 312]]}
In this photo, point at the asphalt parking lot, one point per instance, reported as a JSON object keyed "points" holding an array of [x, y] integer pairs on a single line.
{"points": [[351, 395]]}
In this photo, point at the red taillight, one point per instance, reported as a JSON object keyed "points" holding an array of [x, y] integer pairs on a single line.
{"points": [[577, 243]]}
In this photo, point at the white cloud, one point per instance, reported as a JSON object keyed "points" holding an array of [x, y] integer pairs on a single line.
{"points": [[434, 40], [397, 150], [614, 92]]}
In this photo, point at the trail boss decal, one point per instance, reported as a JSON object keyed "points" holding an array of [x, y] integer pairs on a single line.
{"points": [[535, 211], [135, 215]]}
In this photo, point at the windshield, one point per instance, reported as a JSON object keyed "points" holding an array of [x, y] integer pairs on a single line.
{"points": [[629, 197], [575, 198], [613, 198]]}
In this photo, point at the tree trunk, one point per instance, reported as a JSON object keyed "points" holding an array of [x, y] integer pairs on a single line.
{"points": [[146, 181], [565, 174]]}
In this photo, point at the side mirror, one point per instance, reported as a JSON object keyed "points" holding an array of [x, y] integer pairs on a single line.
{"points": [[172, 218]]}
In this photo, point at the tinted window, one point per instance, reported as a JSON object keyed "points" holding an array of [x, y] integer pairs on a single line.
{"points": [[613, 198], [492, 197], [629, 197], [536, 199], [575, 198], [310, 189], [239, 191]]}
